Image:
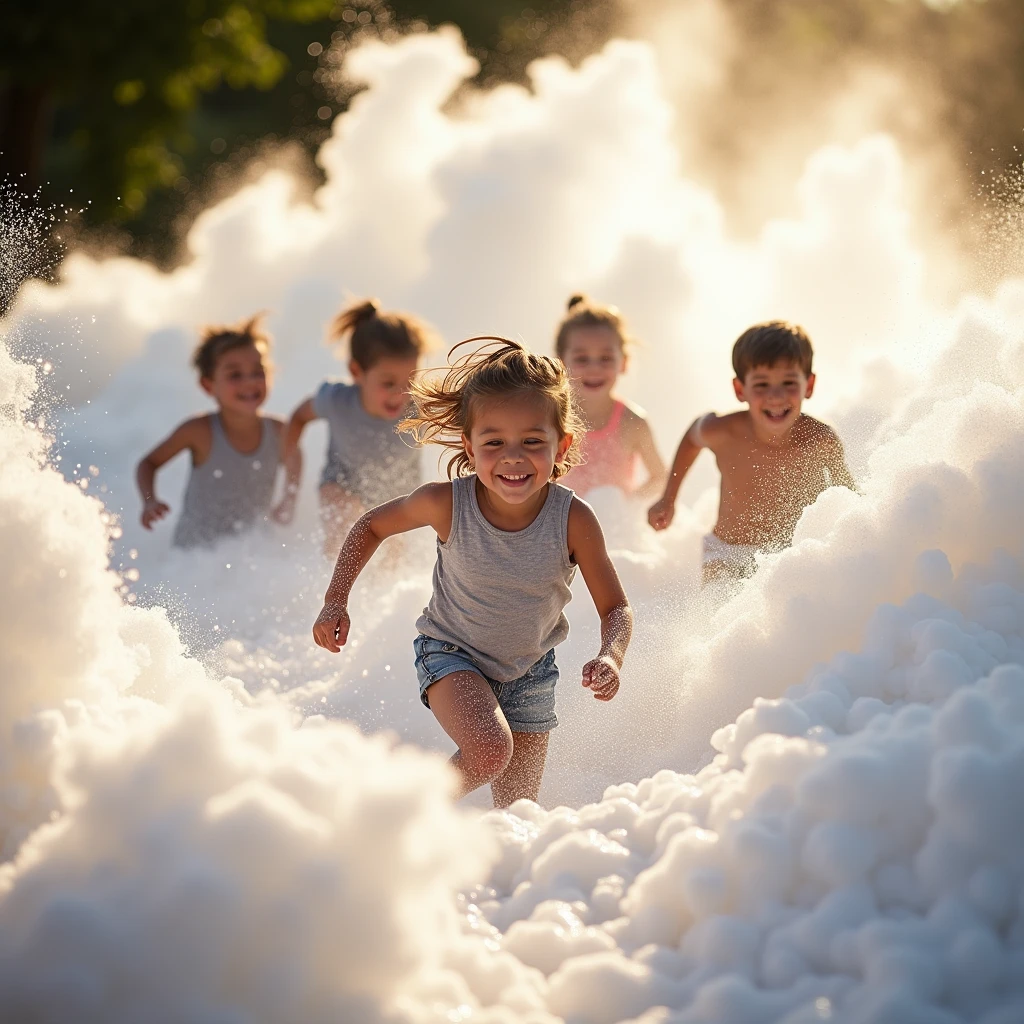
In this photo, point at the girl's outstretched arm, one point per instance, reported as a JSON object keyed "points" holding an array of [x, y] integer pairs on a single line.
{"points": [[587, 547], [194, 435], [429, 505], [291, 459]]}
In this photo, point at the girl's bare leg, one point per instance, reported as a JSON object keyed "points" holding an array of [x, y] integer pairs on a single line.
{"points": [[338, 511], [468, 711], [521, 779]]}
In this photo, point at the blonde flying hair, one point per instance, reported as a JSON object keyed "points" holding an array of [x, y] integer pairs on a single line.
{"points": [[215, 341], [445, 406], [374, 335], [581, 311]]}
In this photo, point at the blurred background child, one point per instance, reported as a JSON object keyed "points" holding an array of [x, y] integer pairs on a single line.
{"points": [[367, 462], [234, 450], [618, 448], [774, 459]]}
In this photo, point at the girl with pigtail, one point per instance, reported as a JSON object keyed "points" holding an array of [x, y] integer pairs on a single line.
{"points": [[509, 541], [618, 449], [367, 462]]}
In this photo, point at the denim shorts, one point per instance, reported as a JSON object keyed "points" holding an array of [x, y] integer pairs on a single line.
{"points": [[528, 703]]}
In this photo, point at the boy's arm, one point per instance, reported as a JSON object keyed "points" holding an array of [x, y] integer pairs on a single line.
{"points": [[587, 547], [291, 459], [662, 512], [187, 435], [429, 505], [835, 462]]}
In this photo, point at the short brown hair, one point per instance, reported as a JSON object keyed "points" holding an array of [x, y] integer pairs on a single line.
{"points": [[215, 341], [374, 335], [444, 407], [580, 311], [769, 344]]}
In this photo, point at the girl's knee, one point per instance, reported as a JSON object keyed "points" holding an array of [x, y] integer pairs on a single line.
{"points": [[488, 756]]}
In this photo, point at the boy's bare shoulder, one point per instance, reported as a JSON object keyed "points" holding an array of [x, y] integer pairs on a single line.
{"points": [[818, 434], [711, 429]]}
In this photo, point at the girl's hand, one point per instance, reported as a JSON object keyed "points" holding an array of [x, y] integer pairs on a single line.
{"points": [[330, 630], [153, 511], [602, 676], [661, 514]]}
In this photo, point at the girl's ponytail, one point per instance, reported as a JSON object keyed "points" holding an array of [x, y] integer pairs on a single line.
{"points": [[374, 335]]}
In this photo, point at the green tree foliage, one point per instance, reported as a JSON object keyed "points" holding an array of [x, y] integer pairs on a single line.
{"points": [[122, 78], [138, 105], [130, 105]]}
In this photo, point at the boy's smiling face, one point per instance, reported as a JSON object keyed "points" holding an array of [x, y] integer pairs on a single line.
{"points": [[775, 395]]}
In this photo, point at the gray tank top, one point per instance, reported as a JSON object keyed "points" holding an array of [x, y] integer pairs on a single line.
{"points": [[231, 491], [500, 595], [365, 454]]}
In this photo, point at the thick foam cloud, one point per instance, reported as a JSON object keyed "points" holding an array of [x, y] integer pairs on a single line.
{"points": [[178, 849]]}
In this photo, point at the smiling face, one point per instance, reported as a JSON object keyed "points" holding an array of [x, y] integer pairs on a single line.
{"points": [[514, 443], [775, 395], [384, 387], [594, 358], [239, 380]]}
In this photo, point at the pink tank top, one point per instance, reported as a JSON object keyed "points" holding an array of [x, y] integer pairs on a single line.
{"points": [[607, 462]]}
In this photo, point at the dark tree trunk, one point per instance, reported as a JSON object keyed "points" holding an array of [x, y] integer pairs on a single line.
{"points": [[24, 118]]}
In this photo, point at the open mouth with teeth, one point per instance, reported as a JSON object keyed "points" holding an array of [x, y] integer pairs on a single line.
{"points": [[514, 479], [776, 416]]}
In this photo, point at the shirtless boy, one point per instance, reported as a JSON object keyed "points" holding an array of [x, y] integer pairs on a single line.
{"points": [[774, 459]]}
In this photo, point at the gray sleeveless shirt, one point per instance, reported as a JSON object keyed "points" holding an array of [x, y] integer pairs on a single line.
{"points": [[500, 595], [231, 491], [365, 454]]}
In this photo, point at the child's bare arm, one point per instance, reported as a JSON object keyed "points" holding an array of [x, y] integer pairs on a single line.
{"points": [[835, 461], [291, 459], [650, 456], [429, 505], [662, 512], [189, 435], [588, 549]]}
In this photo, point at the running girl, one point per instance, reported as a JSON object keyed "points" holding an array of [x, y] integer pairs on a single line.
{"points": [[367, 462], [234, 450], [509, 540], [593, 344]]}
